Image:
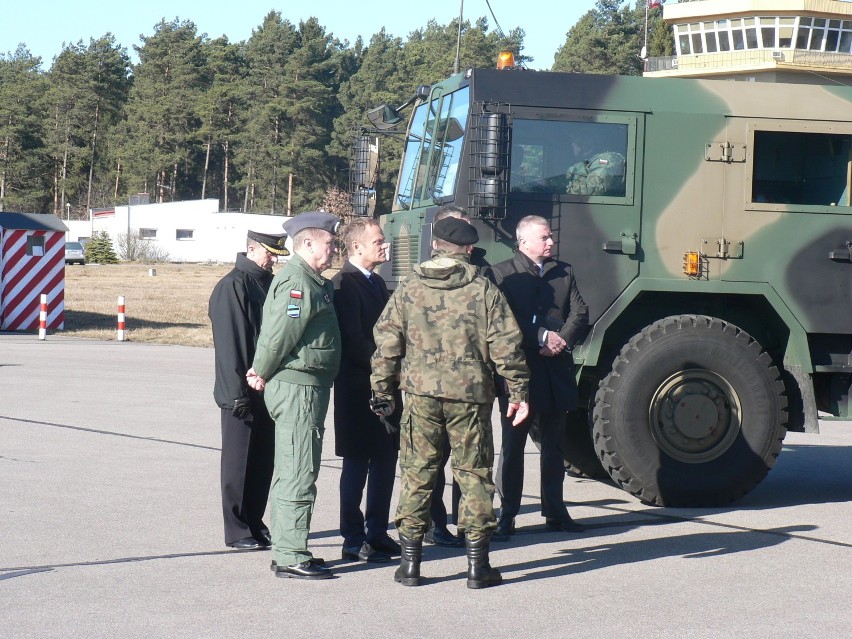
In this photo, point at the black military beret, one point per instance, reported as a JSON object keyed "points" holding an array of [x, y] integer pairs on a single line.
{"points": [[455, 231], [272, 242], [312, 220]]}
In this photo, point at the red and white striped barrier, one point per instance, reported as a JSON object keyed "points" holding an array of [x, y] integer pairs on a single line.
{"points": [[120, 331], [23, 278], [42, 317]]}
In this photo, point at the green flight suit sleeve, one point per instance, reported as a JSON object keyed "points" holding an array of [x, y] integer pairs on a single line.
{"points": [[288, 310]]}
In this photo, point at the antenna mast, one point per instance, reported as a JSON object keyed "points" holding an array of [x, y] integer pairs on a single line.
{"points": [[458, 39]]}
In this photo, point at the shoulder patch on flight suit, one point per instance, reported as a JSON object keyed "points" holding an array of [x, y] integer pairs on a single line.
{"points": [[296, 295], [327, 298], [294, 310]]}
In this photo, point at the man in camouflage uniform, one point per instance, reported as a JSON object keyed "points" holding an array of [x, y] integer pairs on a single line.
{"points": [[440, 334], [597, 173]]}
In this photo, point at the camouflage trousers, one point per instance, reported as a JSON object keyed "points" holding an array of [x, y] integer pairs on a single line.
{"points": [[424, 422]]}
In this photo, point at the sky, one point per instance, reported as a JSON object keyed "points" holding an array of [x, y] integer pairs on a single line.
{"points": [[44, 26]]}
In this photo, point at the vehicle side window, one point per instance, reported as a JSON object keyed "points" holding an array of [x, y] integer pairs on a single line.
{"points": [[810, 169], [433, 149], [569, 158], [413, 158], [449, 141]]}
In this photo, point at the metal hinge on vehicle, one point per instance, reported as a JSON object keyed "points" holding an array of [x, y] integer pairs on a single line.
{"points": [[723, 252], [841, 256], [724, 152]]}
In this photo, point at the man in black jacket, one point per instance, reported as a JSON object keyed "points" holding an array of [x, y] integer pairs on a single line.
{"points": [[248, 432], [368, 447], [553, 317]]}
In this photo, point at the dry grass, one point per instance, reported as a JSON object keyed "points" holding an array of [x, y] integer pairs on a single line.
{"points": [[167, 308]]}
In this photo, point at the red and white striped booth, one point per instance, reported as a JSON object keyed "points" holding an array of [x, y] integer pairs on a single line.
{"points": [[32, 263]]}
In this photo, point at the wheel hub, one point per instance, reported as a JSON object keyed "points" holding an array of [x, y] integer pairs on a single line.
{"points": [[695, 416]]}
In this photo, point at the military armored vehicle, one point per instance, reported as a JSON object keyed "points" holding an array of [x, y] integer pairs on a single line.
{"points": [[711, 238]]}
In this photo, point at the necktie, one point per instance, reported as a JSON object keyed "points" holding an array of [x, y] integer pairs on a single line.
{"points": [[375, 282]]}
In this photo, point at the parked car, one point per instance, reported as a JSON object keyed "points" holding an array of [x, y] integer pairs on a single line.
{"points": [[75, 253]]}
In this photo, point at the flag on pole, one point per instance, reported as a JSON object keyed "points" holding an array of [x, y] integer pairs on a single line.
{"points": [[652, 4]]}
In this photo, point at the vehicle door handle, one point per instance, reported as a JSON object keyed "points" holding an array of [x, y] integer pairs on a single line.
{"points": [[840, 256], [627, 245]]}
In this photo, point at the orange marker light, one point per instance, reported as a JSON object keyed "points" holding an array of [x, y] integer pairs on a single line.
{"points": [[692, 263], [506, 60]]}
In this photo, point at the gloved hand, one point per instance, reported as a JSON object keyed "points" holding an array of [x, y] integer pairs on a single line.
{"points": [[242, 408], [384, 408], [381, 407]]}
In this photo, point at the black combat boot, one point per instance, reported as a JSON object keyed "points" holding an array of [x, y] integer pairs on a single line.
{"points": [[408, 573], [480, 574]]}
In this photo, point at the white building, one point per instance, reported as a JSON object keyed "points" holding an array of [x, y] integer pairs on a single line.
{"points": [[193, 231], [793, 41]]}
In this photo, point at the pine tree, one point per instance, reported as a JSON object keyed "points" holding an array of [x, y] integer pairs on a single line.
{"points": [[259, 156], [606, 40], [661, 36], [24, 172], [311, 84], [108, 75], [220, 110], [88, 86], [160, 144], [99, 250]]}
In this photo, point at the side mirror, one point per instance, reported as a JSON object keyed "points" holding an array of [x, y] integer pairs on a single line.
{"points": [[384, 117]]}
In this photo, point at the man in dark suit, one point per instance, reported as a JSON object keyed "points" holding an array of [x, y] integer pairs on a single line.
{"points": [[248, 432], [368, 446], [553, 317]]}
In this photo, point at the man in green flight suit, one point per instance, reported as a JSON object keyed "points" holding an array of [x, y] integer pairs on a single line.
{"points": [[440, 334], [297, 359]]}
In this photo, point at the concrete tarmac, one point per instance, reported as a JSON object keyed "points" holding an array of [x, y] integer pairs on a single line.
{"points": [[111, 527]]}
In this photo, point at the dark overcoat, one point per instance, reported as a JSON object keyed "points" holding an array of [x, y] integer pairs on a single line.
{"points": [[235, 310], [359, 302], [550, 301]]}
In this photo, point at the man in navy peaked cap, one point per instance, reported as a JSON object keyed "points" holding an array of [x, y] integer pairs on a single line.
{"points": [[270, 242], [235, 310]]}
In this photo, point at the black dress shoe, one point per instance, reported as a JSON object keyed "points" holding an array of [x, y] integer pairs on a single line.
{"points": [[365, 553], [264, 538], [304, 570], [246, 543], [442, 537], [565, 524], [505, 529], [387, 545], [317, 561]]}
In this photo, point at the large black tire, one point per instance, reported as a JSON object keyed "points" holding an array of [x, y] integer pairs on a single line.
{"points": [[692, 413]]}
